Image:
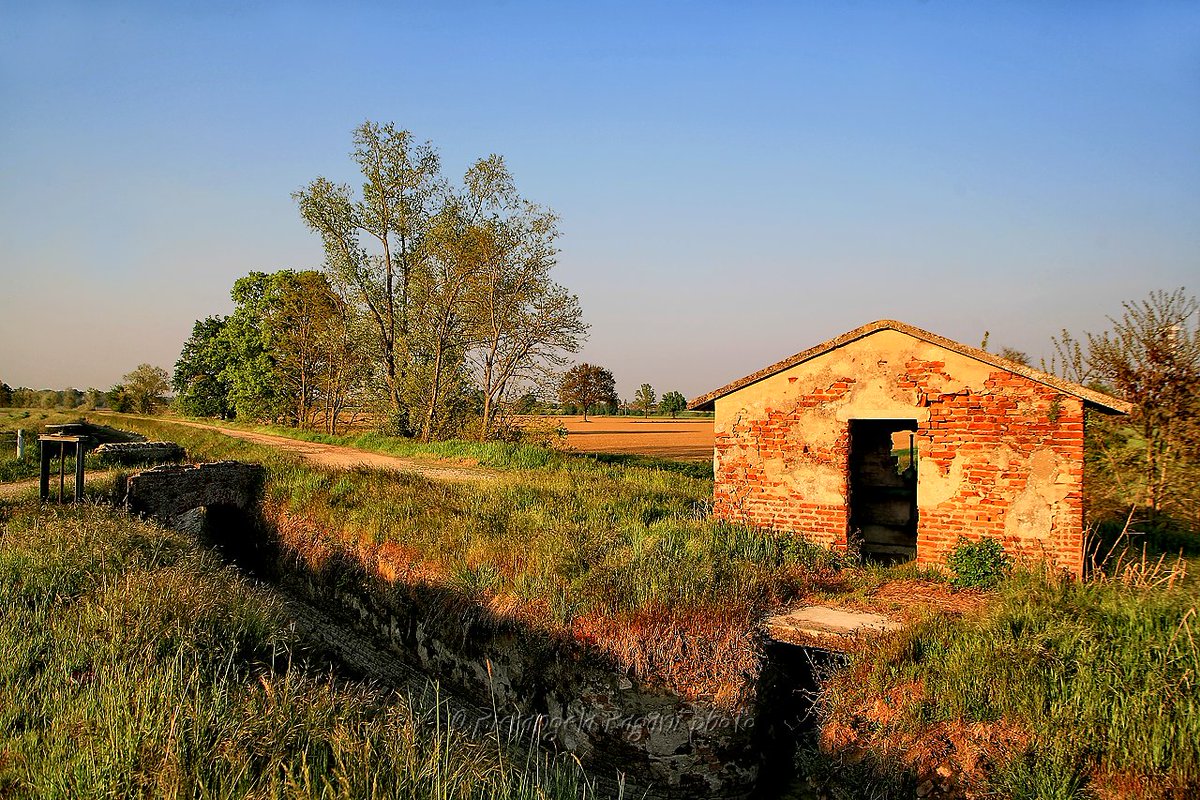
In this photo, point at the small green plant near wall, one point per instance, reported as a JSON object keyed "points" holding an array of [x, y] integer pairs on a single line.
{"points": [[1054, 413], [978, 564]]}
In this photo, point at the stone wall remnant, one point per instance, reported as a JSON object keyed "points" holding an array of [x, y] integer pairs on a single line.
{"points": [[140, 452], [168, 492]]}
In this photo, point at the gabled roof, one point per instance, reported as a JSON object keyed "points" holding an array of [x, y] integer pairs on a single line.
{"points": [[1090, 396]]}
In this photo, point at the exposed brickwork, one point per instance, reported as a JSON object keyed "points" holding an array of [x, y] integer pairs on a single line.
{"points": [[998, 434], [999, 454]]}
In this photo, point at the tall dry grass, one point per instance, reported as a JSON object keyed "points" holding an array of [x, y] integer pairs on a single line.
{"points": [[617, 556], [133, 663]]}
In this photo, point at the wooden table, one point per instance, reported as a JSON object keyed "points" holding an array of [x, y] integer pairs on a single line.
{"points": [[46, 442]]}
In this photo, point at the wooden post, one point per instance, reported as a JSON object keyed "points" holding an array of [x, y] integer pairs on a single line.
{"points": [[20, 443], [79, 448], [62, 468], [44, 482]]}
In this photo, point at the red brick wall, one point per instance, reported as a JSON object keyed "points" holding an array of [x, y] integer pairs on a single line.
{"points": [[1001, 433]]}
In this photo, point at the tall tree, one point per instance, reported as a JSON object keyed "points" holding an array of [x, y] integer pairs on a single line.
{"points": [[346, 366], [95, 398], [257, 388], [441, 314], [524, 323], [297, 311], [585, 385], [146, 388], [1151, 357], [673, 403], [401, 186], [644, 399], [199, 388]]}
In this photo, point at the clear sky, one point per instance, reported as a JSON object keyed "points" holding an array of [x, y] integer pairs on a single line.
{"points": [[737, 181]]}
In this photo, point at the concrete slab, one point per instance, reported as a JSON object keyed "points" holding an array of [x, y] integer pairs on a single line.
{"points": [[828, 624]]}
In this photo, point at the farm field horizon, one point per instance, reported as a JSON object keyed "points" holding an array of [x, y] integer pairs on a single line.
{"points": [[682, 439]]}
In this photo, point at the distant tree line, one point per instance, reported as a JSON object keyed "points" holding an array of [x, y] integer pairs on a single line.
{"points": [[24, 397], [143, 391], [436, 309], [586, 388]]}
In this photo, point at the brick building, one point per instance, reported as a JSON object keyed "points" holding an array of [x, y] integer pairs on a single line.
{"points": [[906, 440]]}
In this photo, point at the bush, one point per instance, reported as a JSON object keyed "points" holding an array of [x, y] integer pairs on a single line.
{"points": [[981, 563]]}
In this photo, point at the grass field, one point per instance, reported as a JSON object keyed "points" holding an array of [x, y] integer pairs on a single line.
{"points": [[1057, 689], [1049, 689], [133, 663], [622, 556]]}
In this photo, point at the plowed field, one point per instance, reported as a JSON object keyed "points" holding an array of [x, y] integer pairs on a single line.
{"points": [[665, 438]]}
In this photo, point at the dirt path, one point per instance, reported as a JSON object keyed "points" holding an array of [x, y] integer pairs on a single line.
{"points": [[342, 457], [9, 491]]}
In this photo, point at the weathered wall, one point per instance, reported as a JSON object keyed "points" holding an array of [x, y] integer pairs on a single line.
{"points": [[998, 454], [140, 452], [664, 746]]}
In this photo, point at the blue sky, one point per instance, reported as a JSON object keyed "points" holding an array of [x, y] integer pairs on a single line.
{"points": [[736, 181]]}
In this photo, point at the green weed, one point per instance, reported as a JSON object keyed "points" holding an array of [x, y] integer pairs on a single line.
{"points": [[1095, 678], [978, 564]]}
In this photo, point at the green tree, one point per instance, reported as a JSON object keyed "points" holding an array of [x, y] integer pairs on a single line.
{"points": [[6, 395], [200, 391], [290, 351], [297, 312], [252, 373], [522, 323], [145, 388], [440, 321], [585, 385], [644, 399], [119, 400], [1151, 357], [401, 188], [346, 368], [673, 403]]}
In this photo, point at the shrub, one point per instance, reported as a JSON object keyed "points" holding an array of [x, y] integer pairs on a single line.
{"points": [[980, 563]]}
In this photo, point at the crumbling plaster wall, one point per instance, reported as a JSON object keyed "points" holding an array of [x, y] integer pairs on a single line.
{"points": [[999, 454]]}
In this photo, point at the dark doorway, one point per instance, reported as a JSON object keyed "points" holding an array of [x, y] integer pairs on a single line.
{"points": [[883, 487]]}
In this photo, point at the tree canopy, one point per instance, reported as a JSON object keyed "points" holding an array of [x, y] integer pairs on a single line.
{"points": [[143, 390], [437, 308], [585, 385], [1150, 356], [672, 403], [454, 282], [644, 399], [287, 353]]}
